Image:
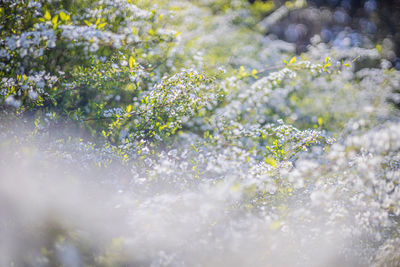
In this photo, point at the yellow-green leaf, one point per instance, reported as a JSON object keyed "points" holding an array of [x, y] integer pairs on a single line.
{"points": [[320, 121], [55, 19], [293, 60], [235, 187], [131, 62], [275, 225], [100, 26], [87, 22], [271, 161], [129, 108], [328, 64], [378, 48], [254, 73], [64, 16], [47, 15]]}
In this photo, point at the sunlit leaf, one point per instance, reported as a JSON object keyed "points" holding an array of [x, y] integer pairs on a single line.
{"points": [[64, 16], [131, 62], [101, 25], [47, 15]]}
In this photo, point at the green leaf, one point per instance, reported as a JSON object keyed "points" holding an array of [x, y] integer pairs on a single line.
{"points": [[271, 161], [55, 19], [100, 26], [320, 121], [327, 65], [129, 108], [64, 16], [235, 187], [275, 225], [254, 73], [379, 48], [131, 62], [47, 15]]}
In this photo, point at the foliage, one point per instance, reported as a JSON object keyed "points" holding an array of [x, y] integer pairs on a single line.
{"points": [[205, 123]]}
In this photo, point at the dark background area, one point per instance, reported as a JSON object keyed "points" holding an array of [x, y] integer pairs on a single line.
{"points": [[344, 23]]}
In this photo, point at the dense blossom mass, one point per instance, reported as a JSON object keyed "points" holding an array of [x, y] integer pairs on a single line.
{"points": [[183, 133]]}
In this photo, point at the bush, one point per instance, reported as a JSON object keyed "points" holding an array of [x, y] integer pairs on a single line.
{"points": [[178, 133]]}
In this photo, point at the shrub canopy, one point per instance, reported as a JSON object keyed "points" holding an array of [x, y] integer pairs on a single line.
{"points": [[216, 136]]}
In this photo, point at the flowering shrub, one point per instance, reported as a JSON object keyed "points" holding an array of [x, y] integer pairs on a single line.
{"points": [[177, 133]]}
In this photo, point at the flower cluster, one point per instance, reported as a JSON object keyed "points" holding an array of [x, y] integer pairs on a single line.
{"points": [[187, 137]]}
